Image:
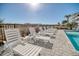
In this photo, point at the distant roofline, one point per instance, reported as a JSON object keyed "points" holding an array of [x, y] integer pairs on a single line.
{"points": [[27, 24]]}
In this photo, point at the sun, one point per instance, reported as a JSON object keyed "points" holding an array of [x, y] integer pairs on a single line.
{"points": [[34, 6]]}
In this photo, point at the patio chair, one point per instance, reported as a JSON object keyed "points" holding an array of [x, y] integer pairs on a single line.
{"points": [[48, 32], [41, 29], [38, 38], [17, 47], [33, 33]]}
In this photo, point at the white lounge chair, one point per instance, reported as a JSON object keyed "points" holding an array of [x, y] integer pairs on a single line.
{"points": [[17, 47], [33, 33], [48, 32], [41, 29], [40, 38], [37, 36]]}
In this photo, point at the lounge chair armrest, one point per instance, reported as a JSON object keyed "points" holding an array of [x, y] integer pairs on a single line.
{"points": [[4, 42], [23, 40], [5, 45]]}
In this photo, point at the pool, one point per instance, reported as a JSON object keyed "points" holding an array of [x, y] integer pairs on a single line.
{"points": [[74, 38]]}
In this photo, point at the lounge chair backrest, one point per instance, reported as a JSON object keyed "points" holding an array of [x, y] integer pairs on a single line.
{"points": [[44, 28], [32, 31], [13, 37], [40, 28]]}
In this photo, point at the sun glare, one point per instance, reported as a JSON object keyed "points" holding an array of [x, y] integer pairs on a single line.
{"points": [[34, 6]]}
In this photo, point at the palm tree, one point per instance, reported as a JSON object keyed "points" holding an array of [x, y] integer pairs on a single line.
{"points": [[64, 21], [1, 20], [58, 23], [67, 17], [72, 25]]}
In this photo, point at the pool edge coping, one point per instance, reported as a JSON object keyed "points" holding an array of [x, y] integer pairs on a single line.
{"points": [[70, 43]]}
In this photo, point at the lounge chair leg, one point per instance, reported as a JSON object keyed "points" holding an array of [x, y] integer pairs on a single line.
{"points": [[39, 54]]}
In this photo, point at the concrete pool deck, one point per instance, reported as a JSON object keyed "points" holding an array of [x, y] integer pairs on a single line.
{"points": [[61, 46]]}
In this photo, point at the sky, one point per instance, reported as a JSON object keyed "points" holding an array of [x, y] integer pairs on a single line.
{"points": [[43, 13]]}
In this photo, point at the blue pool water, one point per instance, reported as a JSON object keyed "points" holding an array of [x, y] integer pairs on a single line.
{"points": [[74, 38]]}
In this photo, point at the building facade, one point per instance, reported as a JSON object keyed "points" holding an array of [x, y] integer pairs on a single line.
{"points": [[74, 18]]}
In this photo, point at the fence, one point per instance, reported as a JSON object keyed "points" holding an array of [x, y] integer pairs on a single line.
{"points": [[22, 27]]}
